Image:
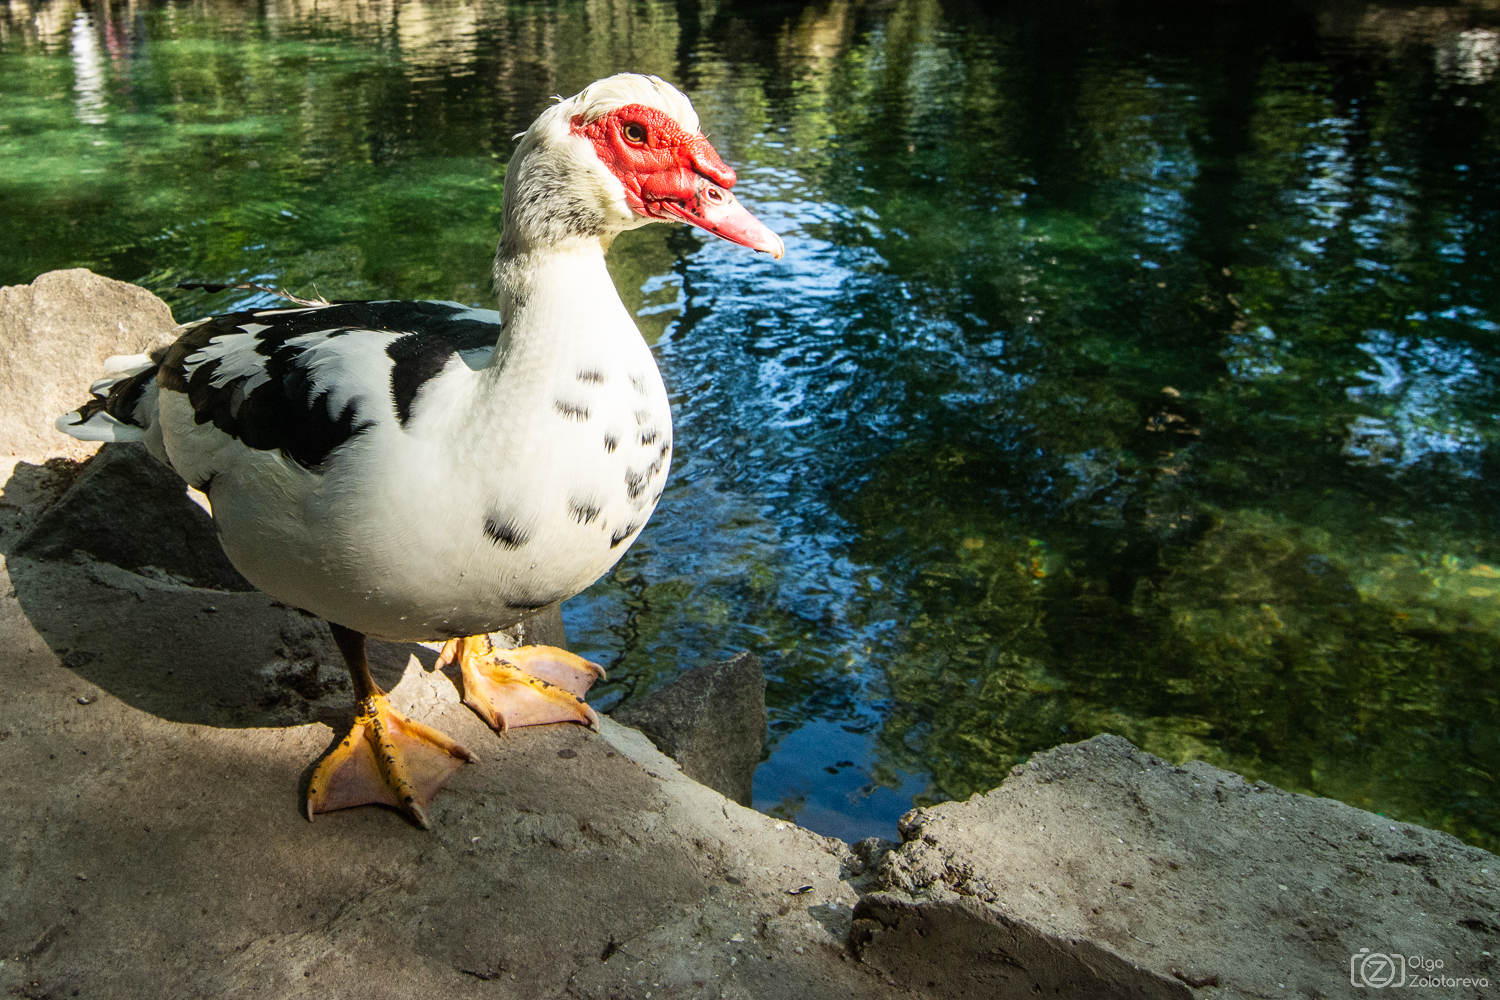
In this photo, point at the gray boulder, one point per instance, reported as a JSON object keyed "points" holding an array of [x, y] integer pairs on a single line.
{"points": [[711, 720], [54, 336], [129, 509], [148, 785], [1100, 870]]}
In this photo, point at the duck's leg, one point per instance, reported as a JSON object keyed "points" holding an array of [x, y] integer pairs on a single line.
{"points": [[387, 759], [526, 686]]}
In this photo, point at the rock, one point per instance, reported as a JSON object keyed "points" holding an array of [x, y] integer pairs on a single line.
{"points": [[545, 628], [866, 854], [711, 720], [153, 735], [962, 950], [154, 847], [1100, 870], [155, 743], [54, 336], [128, 509]]}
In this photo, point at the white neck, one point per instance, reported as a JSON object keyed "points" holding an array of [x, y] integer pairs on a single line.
{"points": [[562, 210], [529, 279], [559, 306]]}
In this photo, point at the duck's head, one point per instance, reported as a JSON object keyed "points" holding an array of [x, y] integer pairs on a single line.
{"points": [[623, 153]]}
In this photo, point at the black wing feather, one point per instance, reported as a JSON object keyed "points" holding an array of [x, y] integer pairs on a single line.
{"points": [[286, 412]]}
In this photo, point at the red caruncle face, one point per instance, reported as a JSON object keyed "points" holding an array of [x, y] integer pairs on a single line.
{"points": [[652, 155], [669, 173]]}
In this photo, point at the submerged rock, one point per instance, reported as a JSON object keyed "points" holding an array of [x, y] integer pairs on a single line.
{"points": [[711, 720]]}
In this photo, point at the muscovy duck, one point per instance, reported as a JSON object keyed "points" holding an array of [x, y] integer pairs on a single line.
{"points": [[421, 471]]}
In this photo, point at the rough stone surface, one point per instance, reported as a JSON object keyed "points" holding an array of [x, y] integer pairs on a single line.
{"points": [[128, 509], [1100, 870], [155, 744], [711, 720], [54, 336], [961, 949]]}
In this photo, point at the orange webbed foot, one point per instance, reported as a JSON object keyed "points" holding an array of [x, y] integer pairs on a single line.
{"points": [[526, 686], [387, 759]]}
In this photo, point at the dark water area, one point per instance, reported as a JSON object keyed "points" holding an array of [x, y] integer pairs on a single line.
{"points": [[1133, 368]]}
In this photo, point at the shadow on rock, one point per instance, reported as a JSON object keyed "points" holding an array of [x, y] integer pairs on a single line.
{"points": [[121, 574], [126, 508]]}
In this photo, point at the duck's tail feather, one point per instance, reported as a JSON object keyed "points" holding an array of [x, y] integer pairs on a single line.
{"points": [[123, 407]]}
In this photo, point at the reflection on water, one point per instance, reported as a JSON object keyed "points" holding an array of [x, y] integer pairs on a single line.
{"points": [[1470, 56], [88, 71], [1128, 371]]}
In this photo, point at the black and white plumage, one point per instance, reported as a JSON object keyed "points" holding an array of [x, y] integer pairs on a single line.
{"points": [[422, 470], [373, 442]]}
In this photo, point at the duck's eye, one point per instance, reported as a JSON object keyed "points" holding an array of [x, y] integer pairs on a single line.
{"points": [[636, 133]]}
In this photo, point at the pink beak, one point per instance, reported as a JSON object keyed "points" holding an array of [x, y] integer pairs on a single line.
{"points": [[718, 211]]}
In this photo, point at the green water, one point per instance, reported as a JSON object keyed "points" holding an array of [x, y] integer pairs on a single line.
{"points": [[1132, 368]]}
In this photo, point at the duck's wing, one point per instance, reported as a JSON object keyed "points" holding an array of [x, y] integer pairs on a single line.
{"points": [[302, 381]]}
